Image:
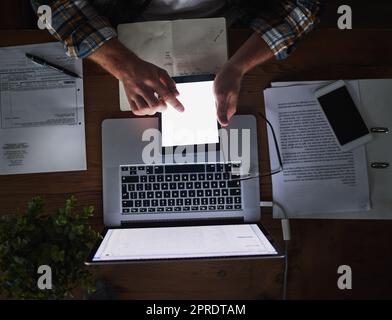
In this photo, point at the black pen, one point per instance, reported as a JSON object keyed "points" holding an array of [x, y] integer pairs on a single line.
{"points": [[45, 63]]}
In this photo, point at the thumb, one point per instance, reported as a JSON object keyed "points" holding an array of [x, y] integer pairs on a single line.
{"points": [[221, 106]]}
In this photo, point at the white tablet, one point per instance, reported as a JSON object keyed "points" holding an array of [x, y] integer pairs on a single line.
{"points": [[198, 123]]}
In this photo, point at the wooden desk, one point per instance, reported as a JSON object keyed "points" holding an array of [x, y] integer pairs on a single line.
{"points": [[317, 248]]}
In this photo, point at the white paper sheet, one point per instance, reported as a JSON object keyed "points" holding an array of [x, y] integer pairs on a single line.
{"points": [[181, 47], [41, 110], [317, 176]]}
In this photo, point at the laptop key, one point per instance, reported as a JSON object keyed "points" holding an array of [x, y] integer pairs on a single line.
{"points": [[210, 176], [229, 207], [172, 185], [210, 168], [138, 203], [183, 193], [177, 209], [195, 208], [188, 202], [150, 195], [193, 177], [174, 194], [127, 204], [156, 186], [130, 179], [235, 192], [218, 176], [147, 186], [151, 178], [166, 194], [176, 177], [162, 202], [212, 200], [197, 185], [221, 207], [225, 192], [229, 200], [139, 187], [222, 184], [208, 193], [124, 168], [221, 200], [211, 207], [149, 170], [158, 194], [237, 200], [146, 203], [164, 186], [191, 193], [216, 192], [201, 176], [142, 195], [234, 183], [206, 184], [151, 210], [124, 188], [168, 178], [204, 201], [237, 206], [226, 176], [154, 203], [160, 209], [125, 196], [158, 169], [171, 202], [214, 184], [143, 179], [189, 185], [184, 177], [186, 208], [143, 210], [131, 187], [179, 202], [160, 178], [181, 185], [133, 195], [168, 209], [203, 208], [200, 193], [196, 201], [134, 210]]}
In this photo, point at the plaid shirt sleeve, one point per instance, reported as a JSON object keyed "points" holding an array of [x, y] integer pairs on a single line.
{"points": [[286, 23], [77, 25]]}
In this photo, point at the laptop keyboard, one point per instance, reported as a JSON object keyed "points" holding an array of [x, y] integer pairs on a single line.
{"points": [[174, 188]]}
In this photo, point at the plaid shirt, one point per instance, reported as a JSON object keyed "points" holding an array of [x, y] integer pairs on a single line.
{"points": [[82, 30]]}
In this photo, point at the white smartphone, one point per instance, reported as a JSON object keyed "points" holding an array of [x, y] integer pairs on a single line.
{"points": [[343, 116]]}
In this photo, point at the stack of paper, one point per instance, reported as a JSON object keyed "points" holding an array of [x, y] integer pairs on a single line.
{"points": [[317, 177], [41, 112]]}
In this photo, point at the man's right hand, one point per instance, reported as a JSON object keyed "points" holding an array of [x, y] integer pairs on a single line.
{"points": [[142, 80]]}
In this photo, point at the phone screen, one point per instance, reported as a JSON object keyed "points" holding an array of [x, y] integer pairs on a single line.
{"points": [[343, 115]]}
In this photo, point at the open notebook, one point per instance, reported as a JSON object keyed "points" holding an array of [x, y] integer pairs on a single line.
{"points": [[181, 47]]}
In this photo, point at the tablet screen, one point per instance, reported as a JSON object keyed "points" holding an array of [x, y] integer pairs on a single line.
{"points": [[198, 123], [183, 242]]}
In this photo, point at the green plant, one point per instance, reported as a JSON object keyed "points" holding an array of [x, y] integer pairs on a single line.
{"points": [[61, 240]]}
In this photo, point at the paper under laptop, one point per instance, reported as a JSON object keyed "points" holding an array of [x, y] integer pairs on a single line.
{"points": [[181, 47], [42, 112]]}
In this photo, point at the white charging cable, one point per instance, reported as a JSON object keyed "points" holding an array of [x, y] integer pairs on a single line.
{"points": [[286, 237]]}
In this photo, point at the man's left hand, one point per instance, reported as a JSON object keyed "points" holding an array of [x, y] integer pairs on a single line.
{"points": [[227, 87]]}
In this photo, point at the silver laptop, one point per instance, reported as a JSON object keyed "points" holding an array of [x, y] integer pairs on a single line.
{"points": [[205, 205]]}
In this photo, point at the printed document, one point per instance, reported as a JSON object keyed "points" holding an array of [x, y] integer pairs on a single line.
{"points": [[41, 112], [317, 176]]}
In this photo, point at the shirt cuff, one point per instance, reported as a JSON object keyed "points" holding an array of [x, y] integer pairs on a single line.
{"points": [[81, 29]]}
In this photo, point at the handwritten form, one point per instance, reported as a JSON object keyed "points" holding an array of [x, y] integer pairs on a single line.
{"points": [[317, 176], [181, 47], [41, 111]]}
